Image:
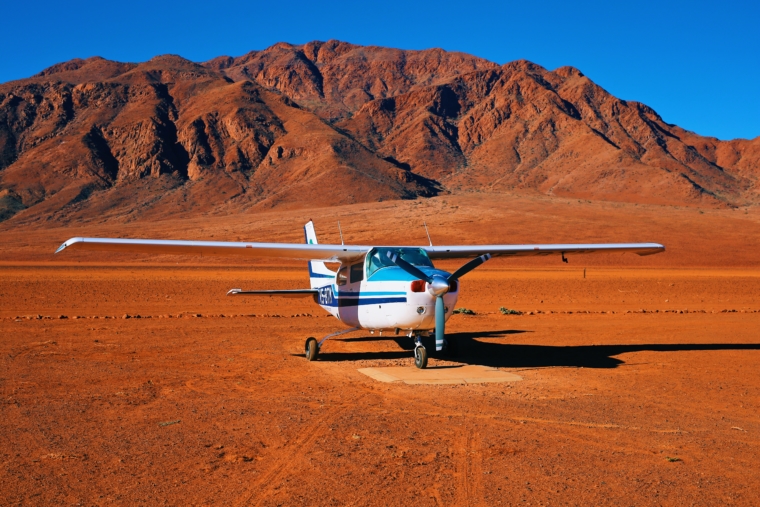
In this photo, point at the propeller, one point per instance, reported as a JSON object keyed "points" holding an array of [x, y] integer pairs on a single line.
{"points": [[409, 268], [438, 286]]}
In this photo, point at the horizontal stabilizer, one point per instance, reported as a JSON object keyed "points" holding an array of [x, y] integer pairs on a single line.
{"points": [[294, 293]]}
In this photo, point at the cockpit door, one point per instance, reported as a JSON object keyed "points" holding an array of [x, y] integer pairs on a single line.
{"points": [[349, 281]]}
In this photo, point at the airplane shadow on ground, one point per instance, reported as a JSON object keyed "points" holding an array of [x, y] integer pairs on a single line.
{"points": [[470, 350]]}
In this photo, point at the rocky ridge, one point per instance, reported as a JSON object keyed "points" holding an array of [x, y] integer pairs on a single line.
{"points": [[333, 123]]}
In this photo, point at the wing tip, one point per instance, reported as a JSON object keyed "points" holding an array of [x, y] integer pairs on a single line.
{"points": [[68, 243], [653, 249]]}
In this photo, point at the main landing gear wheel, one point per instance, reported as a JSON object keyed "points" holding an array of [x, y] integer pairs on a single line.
{"points": [[312, 349], [420, 357]]}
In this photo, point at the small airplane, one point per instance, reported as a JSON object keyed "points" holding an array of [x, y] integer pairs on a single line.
{"points": [[377, 288]]}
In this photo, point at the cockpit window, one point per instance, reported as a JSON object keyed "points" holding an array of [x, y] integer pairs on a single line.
{"points": [[357, 272], [378, 258]]}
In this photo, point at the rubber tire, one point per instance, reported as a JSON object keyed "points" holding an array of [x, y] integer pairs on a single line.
{"points": [[311, 350], [420, 357]]}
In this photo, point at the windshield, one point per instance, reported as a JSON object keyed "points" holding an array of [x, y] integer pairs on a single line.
{"points": [[378, 258]]}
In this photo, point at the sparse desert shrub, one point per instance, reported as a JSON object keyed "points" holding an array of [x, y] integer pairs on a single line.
{"points": [[465, 311], [507, 311]]}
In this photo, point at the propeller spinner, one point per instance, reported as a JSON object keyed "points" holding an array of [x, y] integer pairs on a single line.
{"points": [[438, 286]]}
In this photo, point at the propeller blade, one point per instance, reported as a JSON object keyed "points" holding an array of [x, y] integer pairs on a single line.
{"points": [[474, 263], [440, 323], [412, 270]]}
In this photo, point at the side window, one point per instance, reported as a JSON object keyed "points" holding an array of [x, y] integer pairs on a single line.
{"points": [[342, 277], [357, 272]]}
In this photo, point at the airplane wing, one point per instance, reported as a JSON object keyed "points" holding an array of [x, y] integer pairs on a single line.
{"points": [[468, 252], [337, 253], [293, 293], [327, 253]]}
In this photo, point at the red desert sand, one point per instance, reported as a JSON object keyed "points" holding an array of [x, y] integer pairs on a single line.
{"points": [[131, 379]]}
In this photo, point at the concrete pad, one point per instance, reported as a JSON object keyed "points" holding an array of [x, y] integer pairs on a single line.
{"points": [[465, 374]]}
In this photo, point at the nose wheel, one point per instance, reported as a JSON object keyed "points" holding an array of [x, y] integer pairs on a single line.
{"points": [[420, 357], [420, 354]]}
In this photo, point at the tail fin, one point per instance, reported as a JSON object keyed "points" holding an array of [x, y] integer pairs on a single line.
{"points": [[319, 275]]}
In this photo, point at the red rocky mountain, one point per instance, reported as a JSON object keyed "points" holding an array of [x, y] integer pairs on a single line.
{"points": [[330, 123]]}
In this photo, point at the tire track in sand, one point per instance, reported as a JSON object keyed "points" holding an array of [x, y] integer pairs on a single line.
{"points": [[461, 452], [261, 489], [468, 468]]}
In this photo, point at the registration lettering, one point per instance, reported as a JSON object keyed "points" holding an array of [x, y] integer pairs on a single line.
{"points": [[326, 295]]}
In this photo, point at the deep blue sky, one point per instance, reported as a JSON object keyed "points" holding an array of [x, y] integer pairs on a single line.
{"points": [[697, 63]]}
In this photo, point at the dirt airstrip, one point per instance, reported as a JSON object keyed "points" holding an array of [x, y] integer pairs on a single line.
{"points": [[136, 382]]}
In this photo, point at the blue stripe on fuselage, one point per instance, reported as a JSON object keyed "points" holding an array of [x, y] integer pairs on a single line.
{"points": [[329, 296], [363, 294], [343, 301]]}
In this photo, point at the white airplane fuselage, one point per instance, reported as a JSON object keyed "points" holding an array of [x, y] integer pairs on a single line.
{"points": [[388, 300]]}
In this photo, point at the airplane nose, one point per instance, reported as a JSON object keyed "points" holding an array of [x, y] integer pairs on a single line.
{"points": [[439, 286]]}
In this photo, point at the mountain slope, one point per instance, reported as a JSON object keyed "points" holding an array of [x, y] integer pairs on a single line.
{"points": [[170, 136], [335, 123], [522, 127]]}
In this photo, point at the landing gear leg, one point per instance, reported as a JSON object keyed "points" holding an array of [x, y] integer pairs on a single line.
{"points": [[420, 354], [312, 348]]}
